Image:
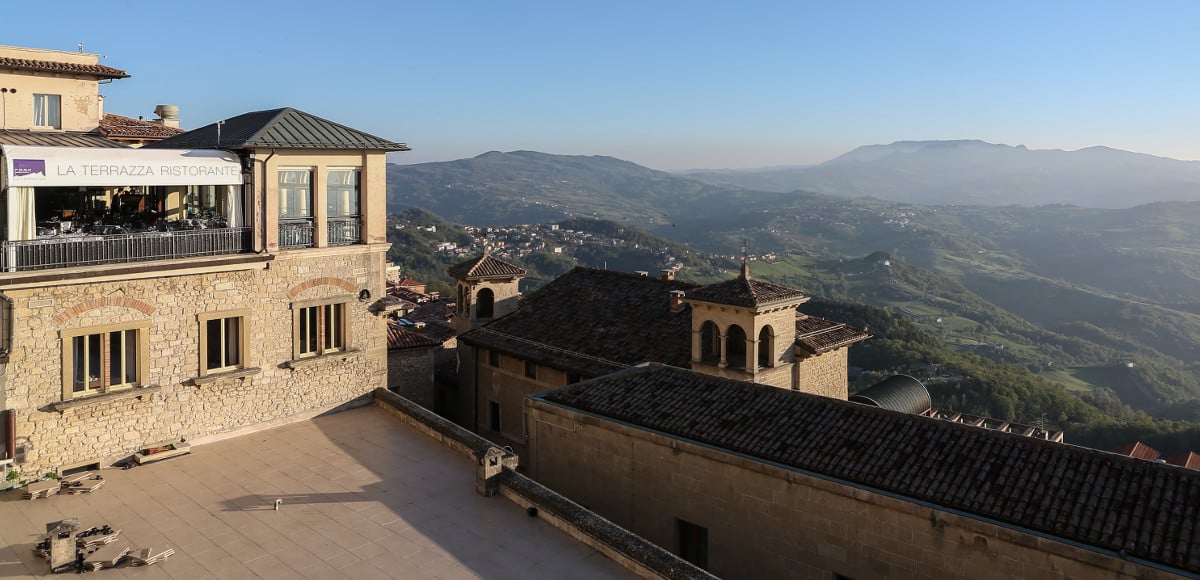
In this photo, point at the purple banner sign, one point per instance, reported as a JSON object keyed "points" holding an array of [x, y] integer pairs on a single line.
{"points": [[27, 167]]}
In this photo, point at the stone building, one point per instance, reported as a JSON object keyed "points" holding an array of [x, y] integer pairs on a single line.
{"points": [[755, 482], [591, 322], [208, 284]]}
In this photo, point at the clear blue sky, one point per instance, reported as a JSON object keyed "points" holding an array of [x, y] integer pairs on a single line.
{"points": [[669, 84]]}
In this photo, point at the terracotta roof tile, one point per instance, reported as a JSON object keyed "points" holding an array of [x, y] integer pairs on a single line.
{"points": [[483, 267], [817, 335], [1139, 450], [1187, 459], [93, 70], [402, 337], [120, 126], [747, 292], [1141, 508], [594, 321]]}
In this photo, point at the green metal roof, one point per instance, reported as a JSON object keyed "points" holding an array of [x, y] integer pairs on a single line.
{"points": [[285, 128]]}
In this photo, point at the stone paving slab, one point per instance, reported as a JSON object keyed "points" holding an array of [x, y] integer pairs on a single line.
{"points": [[364, 496]]}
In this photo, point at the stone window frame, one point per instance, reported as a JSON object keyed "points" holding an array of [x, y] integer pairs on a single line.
{"points": [[243, 316], [347, 341], [142, 353]]}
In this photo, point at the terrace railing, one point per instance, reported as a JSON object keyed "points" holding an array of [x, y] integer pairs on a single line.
{"points": [[345, 230], [86, 250], [296, 233]]}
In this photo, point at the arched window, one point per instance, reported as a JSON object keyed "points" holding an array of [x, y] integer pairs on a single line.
{"points": [[735, 347], [486, 302], [766, 347], [710, 343]]}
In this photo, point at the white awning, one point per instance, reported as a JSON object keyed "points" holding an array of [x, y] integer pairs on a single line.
{"points": [[28, 166]]}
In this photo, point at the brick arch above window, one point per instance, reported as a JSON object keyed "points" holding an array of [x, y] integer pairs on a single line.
{"points": [[132, 303], [323, 281]]}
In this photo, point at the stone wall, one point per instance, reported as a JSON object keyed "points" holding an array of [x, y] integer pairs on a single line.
{"points": [[508, 386], [410, 375], [766, 521], [824, 374], [272, 387]]}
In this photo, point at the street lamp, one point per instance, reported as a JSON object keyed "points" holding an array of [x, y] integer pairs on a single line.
{"points": [[4, 103]]}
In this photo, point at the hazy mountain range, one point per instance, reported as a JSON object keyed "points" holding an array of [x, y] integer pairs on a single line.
{"points": [[980, 173], [1076, 294]]}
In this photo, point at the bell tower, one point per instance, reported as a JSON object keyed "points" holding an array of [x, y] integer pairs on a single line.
{"points": [[487, 288], [745, 329]]}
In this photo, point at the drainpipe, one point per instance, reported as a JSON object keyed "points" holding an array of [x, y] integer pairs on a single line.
{"points": [[260, 217], [6, 327]]}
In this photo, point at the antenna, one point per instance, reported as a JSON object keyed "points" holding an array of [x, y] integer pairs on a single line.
{"points": [[219, 123]]}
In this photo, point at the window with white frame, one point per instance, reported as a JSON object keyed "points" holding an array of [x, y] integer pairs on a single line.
{"points": [[342, 193], [47, 111], [222, 341], [102, 359], [295, 193], [319, 329]]}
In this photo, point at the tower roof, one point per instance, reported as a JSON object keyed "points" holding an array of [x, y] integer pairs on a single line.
{"points": [[746, 291], [286, 128], [485, 267]]}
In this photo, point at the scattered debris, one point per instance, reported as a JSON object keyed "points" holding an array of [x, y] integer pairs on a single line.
{"points": [[160, 452], [106, 557], [148, 556], [40, 489], [69, 548]]}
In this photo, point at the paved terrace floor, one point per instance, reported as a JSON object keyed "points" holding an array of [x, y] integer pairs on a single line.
{"points": [[364, 496]]}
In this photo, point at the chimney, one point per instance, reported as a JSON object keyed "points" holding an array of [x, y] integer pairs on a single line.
{"points": [[168, 115], [676, 301], [668, 274]]}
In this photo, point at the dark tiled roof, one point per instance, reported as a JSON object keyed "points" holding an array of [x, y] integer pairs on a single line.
{"points": [[1139, 450], [403, 337], [1144, 509], [594, 321], [98, 71], [747, 292], [484, 267], [284, 128], [1188, 459], [431, 311], [116, 126], [817, 335], [58, 139]]}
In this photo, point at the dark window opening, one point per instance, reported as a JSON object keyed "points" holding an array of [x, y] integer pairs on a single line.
{"points": [[493, 415], [710, 343], [766, 347], [493, 358], [693, 542], [735, 347], [485, 303], [530, 369]]}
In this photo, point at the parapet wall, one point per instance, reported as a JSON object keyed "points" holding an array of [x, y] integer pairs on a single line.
{"points": [[622, 546]]}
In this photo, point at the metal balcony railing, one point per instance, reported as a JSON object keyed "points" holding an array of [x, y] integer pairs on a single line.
{"points": [[86, 250], [296, 233], [345, 230]]}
